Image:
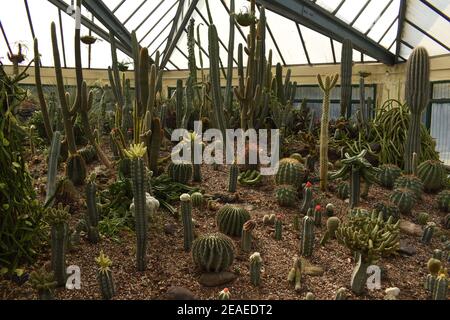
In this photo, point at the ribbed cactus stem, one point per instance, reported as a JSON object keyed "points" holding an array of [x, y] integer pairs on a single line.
{"points": [[155, 145], [233, 177], [307, 245], [105, 277], [359, 276], [186, 216], [59, 236], [414, 163], [53, 165], [230, 65], [278, 235], [318, 216], [417, 92], [307, 199], [428, 233], [179, 103], [346, 77], [295, 274], [355, 186], [92, 216], [440, 290], [255, 269]]}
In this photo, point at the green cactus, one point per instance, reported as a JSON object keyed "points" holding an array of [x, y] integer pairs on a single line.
{"points": [[290, 172], [318, 216], [422, 218], [359, 276], [88, 153], [138, 179], [428, 233], [225, 294], [440, 291], [230, 220], [295, 274], [105, 277], [332, 226], [388, 174], [92, 215], [255, 269], [343, 190], [269, 220], [326, 85], [230, 65], [346, 78], [180, 172], [439, 255], [388, 209], [44, 283], [57, 218], [246, 239], [179, 104], [355, 186], [307, 198], [197, 200], [233, 177], [432, 173], [213, 252], [447, 221], [404, 199], [417, 92], [443, 201], [329, 209], [341, 294], [52, 171], [155, 145], [286, 196], [307, 244], [278, 235], [186, 216], [434, 266]]}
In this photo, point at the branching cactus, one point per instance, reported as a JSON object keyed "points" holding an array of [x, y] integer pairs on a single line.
{"points": [[57, 218], [246, 239], [307, 237], [44, 283], [186, 215], [255, 269], [326, 85], [53, 159], [307, 198], [92, 216], [105, 277], [417, 92], [136, 154], [346, 78], [295, 274], [278, 235], [233, 177]]}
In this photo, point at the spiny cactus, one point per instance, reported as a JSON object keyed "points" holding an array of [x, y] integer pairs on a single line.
{"points": [[346, 78], [307, 244], [388, 174], [432, 174], [307, 198], [341, 294], [318, 216], [428, 233], [388, 209], [255, 269], [290, 172], [326, 85], [310, 296], [278, 228], [286, 195], [197, 200], [213, 252], [53, 159], [92, 215], [88, 153], [417, 92], [295, 274], [343, 190], [250, 178], [443, 201], [57, 218], [412, 183], [329, 209], [246, 239], [225, 294], [230, 220], [332, 225], [404, 199], [422, 218], [434, 266], [186, 216], [105, 277], [44, 283], [138, 178], [180, 172], [233, 177], [440, 291]]}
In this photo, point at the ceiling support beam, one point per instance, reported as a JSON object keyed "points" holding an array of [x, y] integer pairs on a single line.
{"points": [[401, 26], [318, 19]]}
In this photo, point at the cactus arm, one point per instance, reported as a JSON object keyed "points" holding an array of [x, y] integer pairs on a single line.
{"points": [[53, 165]]}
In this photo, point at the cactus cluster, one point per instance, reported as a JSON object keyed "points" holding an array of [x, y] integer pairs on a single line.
{"points": [[343, 190], [250, 178], [286, 195], [290, 172], [44, 283], [269, 220], [105, 277], [443, 201], [180, 172], [213, 252], [230, 220], [388, 174]]}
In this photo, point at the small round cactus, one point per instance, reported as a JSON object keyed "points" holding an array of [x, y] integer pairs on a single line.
{"points": [[213, 252], [225, 294], [197, 200], [405, 200], [388, 174], [180, 172], [412, 183], [230, 220], [329, 209], [432, 174], [286, 196], [443, 201], [341, 294], [343, 190], [422, 218], [310, 296], [290, 172]]}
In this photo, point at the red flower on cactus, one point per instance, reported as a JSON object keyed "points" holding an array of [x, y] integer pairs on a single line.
{"points": [[226, 290], [308, 185], [318, 207]]}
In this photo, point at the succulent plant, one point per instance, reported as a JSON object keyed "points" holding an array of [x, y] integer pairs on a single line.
{"points": [[410, 182], [225, 294], [246, 239], [278, 228], [105, 277], [250, 178], [295, 274], [233, 177], [92, 215], [230, 220], [332, 226], [447, 221], [440, 290], [432, 174], [53, 160], [197, 200], [341, 294], [346, 78], [307, 198], [329, 209], [44, 283], [180, 172], [443, 200], [307, 244], [404, 198], [428, 233], [343, 190], [388, 209], [318, 216], [255, 269], [286, 195], [290, 172], [422, 218], [269, 219], [213, 252], [186, 216], [310, 296], [388, 174]]}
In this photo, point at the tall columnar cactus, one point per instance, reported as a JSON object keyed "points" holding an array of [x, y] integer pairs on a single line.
{"points": [[307, 245], [196, 146], [428, 233], [417, 92], [246, 239], [138, 178], [332, 225], [213, 252], [57, 218], [443, 201], [307, 198], [52, 171], [388, 174], [233, 177], [355, 187], [44, 283], [92, 215], [295, 274], [326, 85], [432, 174], [230, 220], [286, 196], [180, 172], [105, 277], [230, 65], [255, 269], [278, 235], [440, 291], [290, 172], [318, 216], [186, 216], [179, 104], [346, 78]]}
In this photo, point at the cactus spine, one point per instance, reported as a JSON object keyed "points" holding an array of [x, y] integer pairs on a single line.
{"points": [[417, 91], [308, 237], [197, 200], [246, 240], [326, 86], [346, 78], [255, 269], [53, 158], [92, 216], [186, 215], [233, 177], [230, 220], [138, 179], [105, 277], [432, 174]]}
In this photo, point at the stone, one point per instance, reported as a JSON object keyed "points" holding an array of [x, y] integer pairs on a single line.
{"points": [[406, 249], [410, 228], [214, 279], [170, 229], [179, 293]]}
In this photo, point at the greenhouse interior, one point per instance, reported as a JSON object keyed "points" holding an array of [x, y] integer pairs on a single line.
{"points": [[225, 150]]}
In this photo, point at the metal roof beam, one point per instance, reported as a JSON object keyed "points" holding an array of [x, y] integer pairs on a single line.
{"points": [[401, 26], [318, 19]]}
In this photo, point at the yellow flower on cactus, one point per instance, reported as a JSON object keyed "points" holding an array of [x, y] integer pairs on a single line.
{"points": [[104, 262], [136, 151]]}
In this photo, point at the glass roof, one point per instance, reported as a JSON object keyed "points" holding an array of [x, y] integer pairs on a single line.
{"points": [[424, 24]]}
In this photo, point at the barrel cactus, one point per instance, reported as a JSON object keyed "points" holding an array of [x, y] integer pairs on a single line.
{"points": [[105, 277], [343, 190], [412, 183], [290, 172], [230, 220], [286, 196], [422, 218], [388, 209], [197, 200], [213, 252], [180, 171], [443, 201], [388, 174], [404, 199], [432, 174]]}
